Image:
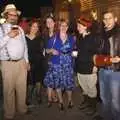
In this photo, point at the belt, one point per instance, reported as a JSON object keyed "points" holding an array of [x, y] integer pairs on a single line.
{"points": [[108, 67], [111, 68], [13, 60], [65, 53]]}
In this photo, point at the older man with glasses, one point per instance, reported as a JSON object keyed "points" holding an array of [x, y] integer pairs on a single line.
{"points": [[14, 63]]}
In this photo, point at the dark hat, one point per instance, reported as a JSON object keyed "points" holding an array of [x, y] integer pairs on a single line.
{"points": [[84, 21]]}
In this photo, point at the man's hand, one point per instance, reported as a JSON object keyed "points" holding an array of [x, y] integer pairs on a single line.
{"points": [[95, 69], [115, 59]]}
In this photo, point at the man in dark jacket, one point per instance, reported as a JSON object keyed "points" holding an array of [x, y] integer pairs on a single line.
{"points": [[109, 76]]}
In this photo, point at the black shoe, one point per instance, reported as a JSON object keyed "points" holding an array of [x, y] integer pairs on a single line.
{"points": [[92, 109], [39, 101], [70, 105], [28, 112], [89, 111], [98, 117], [83, 105], [61, 107], [25, 113], [49, 104]]}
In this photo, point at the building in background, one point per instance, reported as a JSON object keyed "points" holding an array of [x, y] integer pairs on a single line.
{"points": [[75, 8]]}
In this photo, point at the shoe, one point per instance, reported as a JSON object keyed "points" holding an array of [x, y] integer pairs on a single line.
{"points": [[49, 104], [25, 113], [90, 111], [83, 106], [31, 106], [70, 105], [98, 117], [61, 107], [54, 100], [39, 101]]}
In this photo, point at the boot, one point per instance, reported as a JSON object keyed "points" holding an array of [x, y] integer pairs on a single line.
{"points": [[85, 103], [98, 117], [92, 109], [38, 93], [30, 90]]}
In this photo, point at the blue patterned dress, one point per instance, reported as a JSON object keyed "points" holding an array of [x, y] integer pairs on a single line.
{"points": [[60, 72]]}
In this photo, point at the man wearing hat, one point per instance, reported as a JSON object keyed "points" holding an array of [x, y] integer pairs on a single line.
{"points": [[14, 62]]}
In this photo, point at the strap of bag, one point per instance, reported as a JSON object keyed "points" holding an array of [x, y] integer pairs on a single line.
{"points": [[54, 41], [3, 31]]}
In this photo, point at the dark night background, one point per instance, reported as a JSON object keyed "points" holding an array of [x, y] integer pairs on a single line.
{"points": [[29, 8]]}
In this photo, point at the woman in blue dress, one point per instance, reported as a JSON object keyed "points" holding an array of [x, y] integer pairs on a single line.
{"points": [[60, 72]]}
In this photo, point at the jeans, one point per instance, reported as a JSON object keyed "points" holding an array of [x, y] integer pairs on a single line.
{"points": [[110, 93]]}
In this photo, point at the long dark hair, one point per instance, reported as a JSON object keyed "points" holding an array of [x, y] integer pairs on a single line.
{"points": [[45, 31]]}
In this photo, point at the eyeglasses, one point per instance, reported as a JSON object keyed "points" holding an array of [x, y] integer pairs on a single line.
{"points": [[14, 15]]}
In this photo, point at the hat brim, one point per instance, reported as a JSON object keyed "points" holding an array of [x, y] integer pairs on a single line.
{"points": [[4, 12]]}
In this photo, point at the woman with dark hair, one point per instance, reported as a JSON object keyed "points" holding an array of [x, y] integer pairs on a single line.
{"points": [[60, 72], [48, 32], [49, 28], [36, 58]]}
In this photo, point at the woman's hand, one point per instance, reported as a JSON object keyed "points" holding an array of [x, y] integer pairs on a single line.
{"points": [[54, 52]]}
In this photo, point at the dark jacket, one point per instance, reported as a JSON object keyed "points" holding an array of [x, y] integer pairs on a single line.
{"points": [[114, 35], [87, 48]]}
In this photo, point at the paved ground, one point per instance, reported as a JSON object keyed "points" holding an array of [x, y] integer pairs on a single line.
{"points": [[42, 112]]}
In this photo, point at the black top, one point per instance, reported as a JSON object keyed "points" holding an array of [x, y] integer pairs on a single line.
{"points": [[35, 49], [87, 47]]}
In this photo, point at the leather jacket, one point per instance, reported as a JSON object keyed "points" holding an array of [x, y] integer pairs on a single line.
{"points": [[114, 36]]}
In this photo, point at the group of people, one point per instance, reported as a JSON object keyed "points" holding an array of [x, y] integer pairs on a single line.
{"points": [[50, 57]]}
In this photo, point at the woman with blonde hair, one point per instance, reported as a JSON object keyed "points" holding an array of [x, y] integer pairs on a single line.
{"points": [[60, 72]]}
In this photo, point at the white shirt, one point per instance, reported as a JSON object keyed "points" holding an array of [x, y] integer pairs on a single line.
{"points": [[12, 48]]}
